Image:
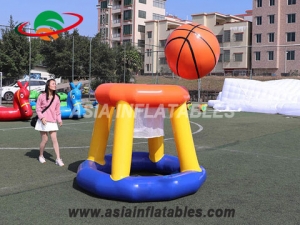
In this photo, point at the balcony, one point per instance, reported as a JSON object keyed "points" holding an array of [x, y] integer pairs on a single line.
{"points": [[128, 21], [116, 8], [116, 35], [116, 23], [127, 7]]}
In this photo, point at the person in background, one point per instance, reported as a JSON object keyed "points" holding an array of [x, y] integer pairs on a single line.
{"points": [[47, 122], [189, 105]]}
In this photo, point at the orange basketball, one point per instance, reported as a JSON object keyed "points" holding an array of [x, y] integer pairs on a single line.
{"points": [[192, 51]]}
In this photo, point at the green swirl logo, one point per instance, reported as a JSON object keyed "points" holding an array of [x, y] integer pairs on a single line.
{"points": [[47, 25]]}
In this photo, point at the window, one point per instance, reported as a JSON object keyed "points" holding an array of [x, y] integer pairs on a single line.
{"points": [[259, 3], [127, 2], [103, 5], [127, 42], [36, 83], [142, 14], [271, 19], [220, 38], [127, 29], [104, 19], [127, 15], [141, 28], [271, 37], [290, 36], [162, 43], [258, 38], [271, 55], [238, 57], [159, 3], [291, 18], [157, 16], [257, 56], [238, 36], [149, 33], [291, 2], [162, 61], [149, 52], [290, 55], [141, 43], [258, 20], [149, 67], [104, 32], [221, 58], [272, 2], [226, 35], [143, 1], [226, 55]]}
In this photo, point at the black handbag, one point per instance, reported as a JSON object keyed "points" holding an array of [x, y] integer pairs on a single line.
{"points": [[35, 119]]}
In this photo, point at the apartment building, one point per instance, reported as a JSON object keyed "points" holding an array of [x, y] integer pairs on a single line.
{"points": [[276, 37], [232, 32], [144, 24], [121, 21], [157, 32], [234, 36]]}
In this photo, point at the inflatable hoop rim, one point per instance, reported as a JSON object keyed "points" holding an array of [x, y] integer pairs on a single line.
{"points": [[96, 179]]}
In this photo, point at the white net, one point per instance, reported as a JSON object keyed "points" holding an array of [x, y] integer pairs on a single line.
{"points": [[149, 122]]}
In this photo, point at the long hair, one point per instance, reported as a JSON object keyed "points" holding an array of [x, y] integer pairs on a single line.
{"points": [[47, 89]]}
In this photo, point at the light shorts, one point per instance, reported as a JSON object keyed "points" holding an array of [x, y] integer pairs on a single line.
{"points": [[46, 128]]}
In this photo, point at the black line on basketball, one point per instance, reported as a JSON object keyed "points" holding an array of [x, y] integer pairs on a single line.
{"points": [[212, 51], [173, 39], [193, 56], [186, 38], [201, 28]]}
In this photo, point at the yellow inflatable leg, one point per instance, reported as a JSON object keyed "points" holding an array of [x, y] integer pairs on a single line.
{"points": [[184, 139], [156, 148], [100, 134], [123, 139]]}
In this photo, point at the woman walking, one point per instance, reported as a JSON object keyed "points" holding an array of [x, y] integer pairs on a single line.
{"points": [[48, 111]]}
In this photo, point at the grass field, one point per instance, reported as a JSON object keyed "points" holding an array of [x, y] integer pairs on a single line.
{"points": [[251, 159]]}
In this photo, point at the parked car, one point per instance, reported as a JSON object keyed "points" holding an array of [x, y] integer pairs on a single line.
{"points": [[9, 91], [38, 76]]}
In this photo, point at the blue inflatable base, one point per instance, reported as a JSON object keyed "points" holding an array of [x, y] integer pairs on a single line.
{"points": [[170, 184]]}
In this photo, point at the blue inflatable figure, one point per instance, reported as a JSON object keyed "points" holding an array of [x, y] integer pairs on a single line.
{"points": [[73, 109], [95, 103]]}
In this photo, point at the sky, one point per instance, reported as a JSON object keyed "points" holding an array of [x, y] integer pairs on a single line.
{"points": [[27, 10]]}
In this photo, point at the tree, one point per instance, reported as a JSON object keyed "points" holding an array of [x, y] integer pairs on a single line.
{"points": [[36, 57], [1, 47], [129, 60], [134, 61], [14, 54], [103, 61], [57, 55], [107, 64]]}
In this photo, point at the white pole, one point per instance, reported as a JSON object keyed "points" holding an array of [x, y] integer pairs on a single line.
{"points": [[124, 64], [29, 67], [73, 61], [90, 67], [285, 56], [199, 89]]}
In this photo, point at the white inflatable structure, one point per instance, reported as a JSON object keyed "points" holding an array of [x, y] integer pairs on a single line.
{"points": [[276, 96]]}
